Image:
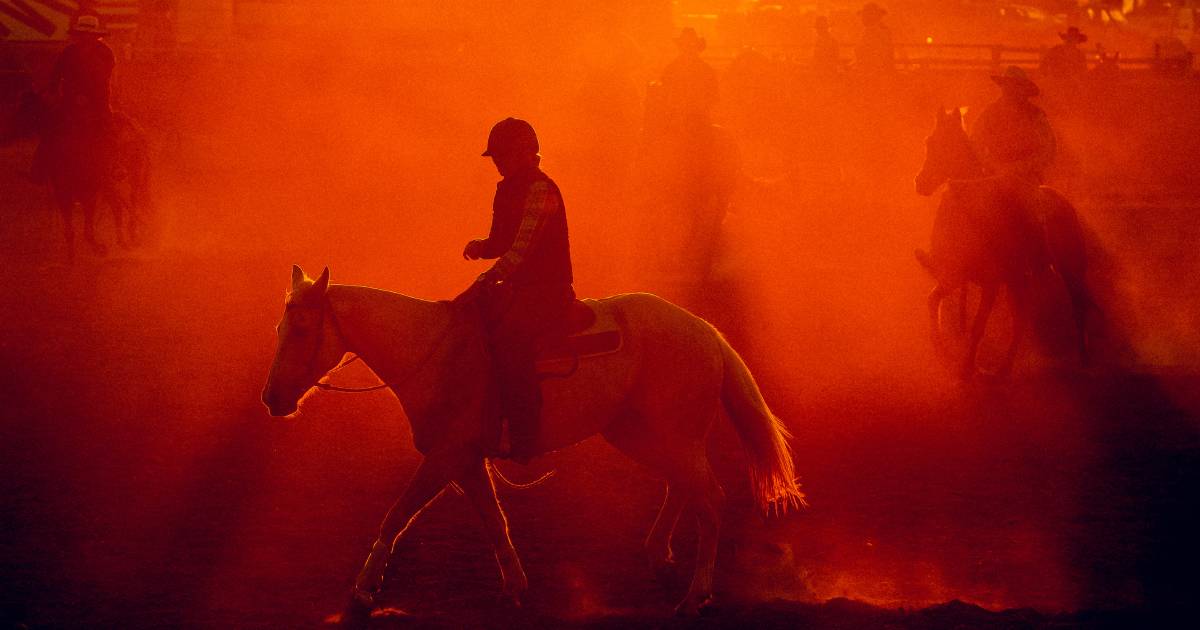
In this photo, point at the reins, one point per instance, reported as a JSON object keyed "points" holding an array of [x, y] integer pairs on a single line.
{"points": [[418, 367]]}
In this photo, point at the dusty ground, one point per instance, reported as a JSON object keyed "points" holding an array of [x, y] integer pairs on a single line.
{"points": [[143, 485]]}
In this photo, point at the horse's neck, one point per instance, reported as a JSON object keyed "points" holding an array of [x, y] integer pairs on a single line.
{"points": [[971, 167], [390, 331]]}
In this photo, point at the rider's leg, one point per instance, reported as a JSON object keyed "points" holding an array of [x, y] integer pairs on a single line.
{"points": [[430, 479], [513, 354], [476, 484]]}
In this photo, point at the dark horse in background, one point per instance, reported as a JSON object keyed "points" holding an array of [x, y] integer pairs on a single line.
{"points": [[985, 233], [86, 164]]}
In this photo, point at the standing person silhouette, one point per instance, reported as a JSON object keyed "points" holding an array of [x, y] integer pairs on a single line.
{"points": [[1066, 60], [875, 53], [826, 58], [528, 293]]}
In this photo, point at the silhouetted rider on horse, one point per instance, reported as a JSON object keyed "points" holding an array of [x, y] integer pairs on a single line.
{"points": [[1013, 138], [80, 92], [527, 294]]}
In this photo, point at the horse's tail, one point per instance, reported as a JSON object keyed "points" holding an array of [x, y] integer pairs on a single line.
{"points": [[764, 436]]}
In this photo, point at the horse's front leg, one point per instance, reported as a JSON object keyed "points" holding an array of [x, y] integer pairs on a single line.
{"points": [[934, 302], [430, 479], [88, 206], [476, 484], [986, 301], [1018, 298]]}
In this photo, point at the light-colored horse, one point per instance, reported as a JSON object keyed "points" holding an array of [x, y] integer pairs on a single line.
{"points": [[654, 400], [996, 230]]}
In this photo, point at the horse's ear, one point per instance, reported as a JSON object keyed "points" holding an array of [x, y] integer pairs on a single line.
{"points": [[957, 113], [297, 276], [322, 283], [941, 113]]}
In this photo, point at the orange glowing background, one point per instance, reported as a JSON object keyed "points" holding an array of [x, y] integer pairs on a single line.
{"points": [[141, 467]]}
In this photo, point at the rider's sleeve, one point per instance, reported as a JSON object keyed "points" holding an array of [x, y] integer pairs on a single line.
{"points": [[539, 204], [494, 245]]}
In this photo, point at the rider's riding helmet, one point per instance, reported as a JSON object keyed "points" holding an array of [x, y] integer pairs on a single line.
{"points": [[511, 135]]}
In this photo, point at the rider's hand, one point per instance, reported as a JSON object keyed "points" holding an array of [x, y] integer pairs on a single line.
{"points": [[473, 250]]}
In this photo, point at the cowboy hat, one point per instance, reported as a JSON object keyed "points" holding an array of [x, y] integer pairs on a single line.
{"points": [[872, 10], [1073, 34], [689, 40], [1017, 79], [87, 25]]}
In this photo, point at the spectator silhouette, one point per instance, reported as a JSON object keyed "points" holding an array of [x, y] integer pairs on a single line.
{"points": [[826, 58], [689, 84], [875, 52], [1066, 60]]}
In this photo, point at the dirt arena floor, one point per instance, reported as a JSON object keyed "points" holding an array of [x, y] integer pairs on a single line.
{"points": [[142, 483]]}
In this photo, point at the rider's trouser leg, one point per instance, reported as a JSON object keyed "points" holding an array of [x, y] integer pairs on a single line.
{"points": [[532, 313], [520, 393]]}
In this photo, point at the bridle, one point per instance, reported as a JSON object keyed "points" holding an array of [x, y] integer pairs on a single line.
{"points": [[322, 383]]}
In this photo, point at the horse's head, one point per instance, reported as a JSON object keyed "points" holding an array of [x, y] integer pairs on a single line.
{"points": [[28, 118], [309, 345], [948, 153]]}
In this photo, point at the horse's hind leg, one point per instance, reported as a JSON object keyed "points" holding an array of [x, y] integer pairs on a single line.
{"points": [[429, 480], [706, 497], [476, 483], [658, 542]]}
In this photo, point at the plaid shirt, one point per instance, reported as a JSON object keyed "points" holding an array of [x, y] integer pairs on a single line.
{"points": [[529, 233]]}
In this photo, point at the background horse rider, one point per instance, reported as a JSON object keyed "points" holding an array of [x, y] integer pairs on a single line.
{"points": [[80, 88]]}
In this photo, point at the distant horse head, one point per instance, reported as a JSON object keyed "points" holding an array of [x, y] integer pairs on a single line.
{"points": [[309, 345], [948, 154], [29, 118]]}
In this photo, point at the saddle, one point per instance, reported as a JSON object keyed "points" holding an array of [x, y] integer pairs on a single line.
{"points": [[590, 332]]}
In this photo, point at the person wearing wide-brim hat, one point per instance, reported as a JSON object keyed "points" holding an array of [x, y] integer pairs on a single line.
{"points": [[875, 53], [1012, 134], [1066, 60], [1016, 81], [1073, 36], [83, 71], [689, 41], [689, 84], [871, 13], [80, 83], [87, 26]]}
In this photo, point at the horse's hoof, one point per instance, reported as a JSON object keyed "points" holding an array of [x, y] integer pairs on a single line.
{"points": [[357, 612], [665, 571], [693, 606]]}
